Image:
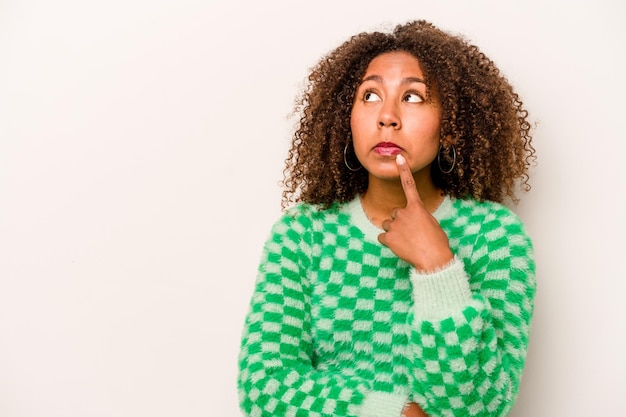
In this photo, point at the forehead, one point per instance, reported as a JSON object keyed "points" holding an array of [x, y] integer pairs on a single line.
{"points": [[399, 63]]}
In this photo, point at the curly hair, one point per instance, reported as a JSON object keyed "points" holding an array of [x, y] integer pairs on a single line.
{"points": [[482, 116]]}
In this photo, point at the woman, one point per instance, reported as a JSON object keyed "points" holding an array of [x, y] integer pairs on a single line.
{"points": [[397, 284]]}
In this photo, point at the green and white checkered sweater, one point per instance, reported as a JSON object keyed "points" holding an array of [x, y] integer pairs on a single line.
{"points": [[340, 326]]}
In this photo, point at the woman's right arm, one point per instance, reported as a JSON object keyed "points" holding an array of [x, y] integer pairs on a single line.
{"points": [[276, 373]]}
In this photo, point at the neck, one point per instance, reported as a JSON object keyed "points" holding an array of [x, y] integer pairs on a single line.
{"points": [[382, 196]]}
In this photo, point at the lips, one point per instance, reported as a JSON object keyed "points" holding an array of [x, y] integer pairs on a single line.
{"points": [[387, 149]]}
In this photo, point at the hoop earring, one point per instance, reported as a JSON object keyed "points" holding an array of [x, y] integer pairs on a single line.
{"points": [[449, 170], [345, 160]]}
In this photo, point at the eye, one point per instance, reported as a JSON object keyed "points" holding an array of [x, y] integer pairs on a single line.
{"points": [[370, 96], [413, 98]]}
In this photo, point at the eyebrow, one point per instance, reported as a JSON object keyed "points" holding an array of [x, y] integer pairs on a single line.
{"points": [[407, 80]]}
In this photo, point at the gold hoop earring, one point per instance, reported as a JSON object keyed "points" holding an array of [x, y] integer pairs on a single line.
{"points": [[449, 170], [345, 160]]}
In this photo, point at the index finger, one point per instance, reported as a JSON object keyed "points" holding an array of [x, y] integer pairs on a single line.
{"points": [[407, 180]]}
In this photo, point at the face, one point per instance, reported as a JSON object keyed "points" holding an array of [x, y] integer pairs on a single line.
{"points": [[391, 114]]}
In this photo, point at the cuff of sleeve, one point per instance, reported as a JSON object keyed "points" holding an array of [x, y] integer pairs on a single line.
{"points": [[441, 293], [383, 404]]}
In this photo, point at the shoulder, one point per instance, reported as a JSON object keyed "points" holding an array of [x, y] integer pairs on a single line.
{"points": [[493, 234], [495, 222], [487, 213], [303, 216]]}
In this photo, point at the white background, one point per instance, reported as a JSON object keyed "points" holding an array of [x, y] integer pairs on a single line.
{"points": [[141, 145]]}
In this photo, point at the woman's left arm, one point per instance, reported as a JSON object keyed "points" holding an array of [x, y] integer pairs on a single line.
{"points": [[470, 321], [470, 324]]}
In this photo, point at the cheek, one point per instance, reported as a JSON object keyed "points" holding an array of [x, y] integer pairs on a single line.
{"points": [[433, 150], [358, 130], [433, 144], [429, 127], [355, 121], [426, 134], [427, 131]]}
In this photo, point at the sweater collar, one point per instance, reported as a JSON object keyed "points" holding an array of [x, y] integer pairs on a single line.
{"points": [[354, 208]]}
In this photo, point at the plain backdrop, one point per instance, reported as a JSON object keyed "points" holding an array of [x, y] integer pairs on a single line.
{"points": [[141, 149]]}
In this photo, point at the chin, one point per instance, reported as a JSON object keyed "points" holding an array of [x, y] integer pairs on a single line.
{"points": [[386, 175]]}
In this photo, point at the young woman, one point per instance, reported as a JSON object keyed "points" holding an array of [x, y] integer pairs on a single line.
{"points": [[396, 283]]}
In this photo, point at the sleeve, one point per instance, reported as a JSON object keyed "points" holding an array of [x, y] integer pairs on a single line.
{"points": [[470, 325], [276, 372]]}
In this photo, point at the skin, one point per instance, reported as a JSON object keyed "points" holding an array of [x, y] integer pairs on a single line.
{"points": [[413, 410]]}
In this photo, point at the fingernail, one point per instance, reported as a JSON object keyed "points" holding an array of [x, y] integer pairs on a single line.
{"points": [[400, 159]]}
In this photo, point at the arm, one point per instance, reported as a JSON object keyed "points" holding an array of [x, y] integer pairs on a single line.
{"points": [[277, 376], [470, 341], [471, 318]]}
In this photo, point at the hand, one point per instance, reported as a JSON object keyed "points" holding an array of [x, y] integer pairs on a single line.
{"points": [[413, 410], [413, 233]]}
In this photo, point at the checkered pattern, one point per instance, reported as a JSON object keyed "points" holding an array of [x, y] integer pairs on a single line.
{"points": [[339, 326]]}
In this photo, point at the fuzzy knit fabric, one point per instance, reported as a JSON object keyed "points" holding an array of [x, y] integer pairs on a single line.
{"points": [[340, 326]]}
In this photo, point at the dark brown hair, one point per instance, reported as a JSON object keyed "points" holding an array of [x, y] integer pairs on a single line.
{"points": [[482, 116]]}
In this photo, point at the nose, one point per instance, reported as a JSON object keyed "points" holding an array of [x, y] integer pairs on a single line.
{"points": [[389, 116]]}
